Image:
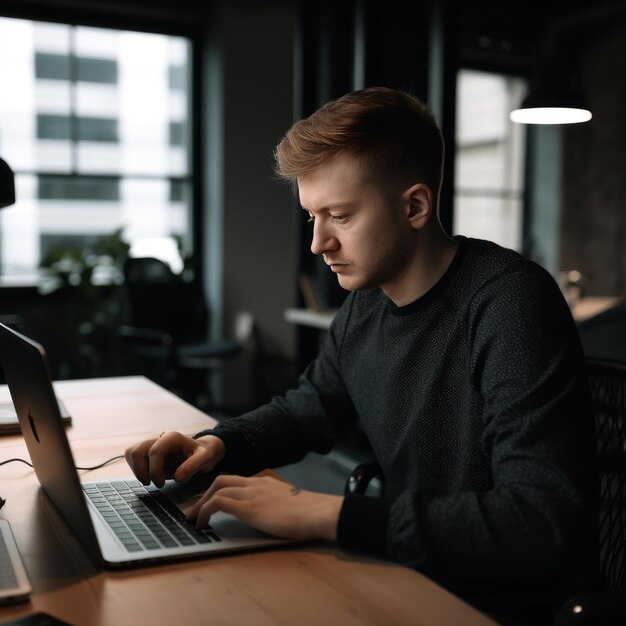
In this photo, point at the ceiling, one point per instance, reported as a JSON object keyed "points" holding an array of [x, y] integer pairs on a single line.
{"points": [[510, 33]]}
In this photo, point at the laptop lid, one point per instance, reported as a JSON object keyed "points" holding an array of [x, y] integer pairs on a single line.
{"points": [[25, 367]]}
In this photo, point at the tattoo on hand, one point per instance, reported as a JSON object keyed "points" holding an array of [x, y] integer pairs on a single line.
{"points": [[295, 491]]}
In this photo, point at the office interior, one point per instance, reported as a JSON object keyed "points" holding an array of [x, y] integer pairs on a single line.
{"points": [[252, 68]]}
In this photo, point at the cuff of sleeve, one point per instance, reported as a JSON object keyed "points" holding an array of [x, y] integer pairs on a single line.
{"points": [[233, 441], [363, 523]]}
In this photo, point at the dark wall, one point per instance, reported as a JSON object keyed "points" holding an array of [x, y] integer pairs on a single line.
{"points": [[593, 217]]}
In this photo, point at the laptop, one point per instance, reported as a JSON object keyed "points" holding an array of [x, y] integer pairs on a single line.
{"points": [[10, 425], [119, 522], [14, 582]]}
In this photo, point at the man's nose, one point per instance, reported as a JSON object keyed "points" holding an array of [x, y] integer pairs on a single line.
{"points": [[323, 240]]}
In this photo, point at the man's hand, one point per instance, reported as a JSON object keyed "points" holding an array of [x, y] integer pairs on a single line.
{"points": [[272, 506], [173, 455]]}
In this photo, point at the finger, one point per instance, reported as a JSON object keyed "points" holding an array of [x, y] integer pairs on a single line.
{"points": [[235, 493], [167, 444], [221, 483], [200, 459], [233, 506], [228, 480], [137, 459]]}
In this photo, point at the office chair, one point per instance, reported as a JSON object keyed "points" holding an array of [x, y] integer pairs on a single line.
{"points": [[165, 334], [603, 336], [607, 382]]}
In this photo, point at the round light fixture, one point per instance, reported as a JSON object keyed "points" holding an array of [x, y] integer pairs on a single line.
{"points": [[550, 115]]}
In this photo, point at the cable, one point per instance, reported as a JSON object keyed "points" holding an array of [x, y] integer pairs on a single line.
{"points": [[93, 467], [15, 461]]}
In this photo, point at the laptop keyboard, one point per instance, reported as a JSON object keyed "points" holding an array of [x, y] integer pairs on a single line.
{"points": [[143, 518]]}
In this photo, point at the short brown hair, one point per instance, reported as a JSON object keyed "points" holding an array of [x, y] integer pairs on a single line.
{"points": [[392, 135]]}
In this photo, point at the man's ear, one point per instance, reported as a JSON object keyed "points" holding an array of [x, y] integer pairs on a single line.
{"points": [[418, 200]]}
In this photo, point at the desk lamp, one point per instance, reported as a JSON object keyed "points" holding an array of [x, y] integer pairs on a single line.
{"points": [[7, 185]]}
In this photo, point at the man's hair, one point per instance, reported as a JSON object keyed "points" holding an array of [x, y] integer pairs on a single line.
{"points": [[392, 136]]}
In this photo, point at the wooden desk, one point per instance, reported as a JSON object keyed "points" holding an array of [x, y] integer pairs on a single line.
{"points": [[589, 306], [307, 584], [305, 317]]}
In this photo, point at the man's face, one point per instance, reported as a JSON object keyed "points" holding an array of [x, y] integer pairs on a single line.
{"points": [[364, 238]]}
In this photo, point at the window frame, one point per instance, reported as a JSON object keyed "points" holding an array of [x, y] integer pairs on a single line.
{"points": [[180, 20], [487, 192]]}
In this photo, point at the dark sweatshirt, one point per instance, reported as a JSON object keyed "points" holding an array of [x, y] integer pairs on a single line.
{"points": [[474, 400]]}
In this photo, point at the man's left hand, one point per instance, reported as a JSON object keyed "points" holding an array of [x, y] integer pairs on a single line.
{"points": [[272, 506]]}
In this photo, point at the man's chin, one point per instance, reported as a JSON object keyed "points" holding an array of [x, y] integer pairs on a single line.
{"points": [[349, 283]]}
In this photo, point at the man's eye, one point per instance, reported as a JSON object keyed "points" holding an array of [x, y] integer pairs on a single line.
{"points": [[340, 219]]}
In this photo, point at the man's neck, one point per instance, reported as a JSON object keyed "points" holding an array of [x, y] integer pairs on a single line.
{"points": [[434, 252]]}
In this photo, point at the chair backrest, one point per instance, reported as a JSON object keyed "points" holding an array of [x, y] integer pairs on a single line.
{"points": [[604, 335], [150, 288], [147, 271], [607, 380], [158, 299]]}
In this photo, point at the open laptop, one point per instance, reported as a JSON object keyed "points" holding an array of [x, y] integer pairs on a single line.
{"points": [[119, 522], [14, 582], [10, 425]]}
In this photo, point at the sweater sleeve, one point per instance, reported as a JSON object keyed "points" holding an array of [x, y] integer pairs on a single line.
{"points": [[309, 418]]}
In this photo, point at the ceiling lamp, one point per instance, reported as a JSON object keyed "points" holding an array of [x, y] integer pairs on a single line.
{"points": [[554, 95], [548, 105]]}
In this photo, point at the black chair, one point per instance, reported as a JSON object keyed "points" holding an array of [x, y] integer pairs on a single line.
{"points": [[165, 337], [607, 381], [603, 336]]}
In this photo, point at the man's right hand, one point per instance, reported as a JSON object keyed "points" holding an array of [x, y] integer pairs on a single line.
{"points": [[173, 455]]}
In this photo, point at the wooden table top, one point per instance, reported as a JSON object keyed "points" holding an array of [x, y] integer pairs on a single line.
{"points": [[304, 584]]}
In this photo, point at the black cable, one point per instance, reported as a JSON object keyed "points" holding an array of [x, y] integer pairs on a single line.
{"points": [[14, 461], [113, 458], [94, 467]]}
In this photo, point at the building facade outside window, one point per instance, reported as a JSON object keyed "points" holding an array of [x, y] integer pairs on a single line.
{"points": [[489, 160], [95, 124]]}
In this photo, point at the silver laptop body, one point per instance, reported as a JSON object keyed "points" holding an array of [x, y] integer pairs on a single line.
{"points": [[26, 371]]}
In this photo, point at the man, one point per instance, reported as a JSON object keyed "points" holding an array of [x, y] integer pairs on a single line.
{"points": [[458, 359]]}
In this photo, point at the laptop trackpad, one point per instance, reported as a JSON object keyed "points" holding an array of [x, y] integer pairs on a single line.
{"points": [[229, 527]]}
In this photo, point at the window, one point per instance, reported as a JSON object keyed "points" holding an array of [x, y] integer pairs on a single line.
{"points": [[489, 158], [94, 122]]}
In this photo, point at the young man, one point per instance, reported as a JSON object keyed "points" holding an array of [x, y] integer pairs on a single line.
{"points": [[458, 359]]}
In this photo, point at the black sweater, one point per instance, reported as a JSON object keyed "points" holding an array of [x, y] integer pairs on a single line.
{"points": [[474, 400]]}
